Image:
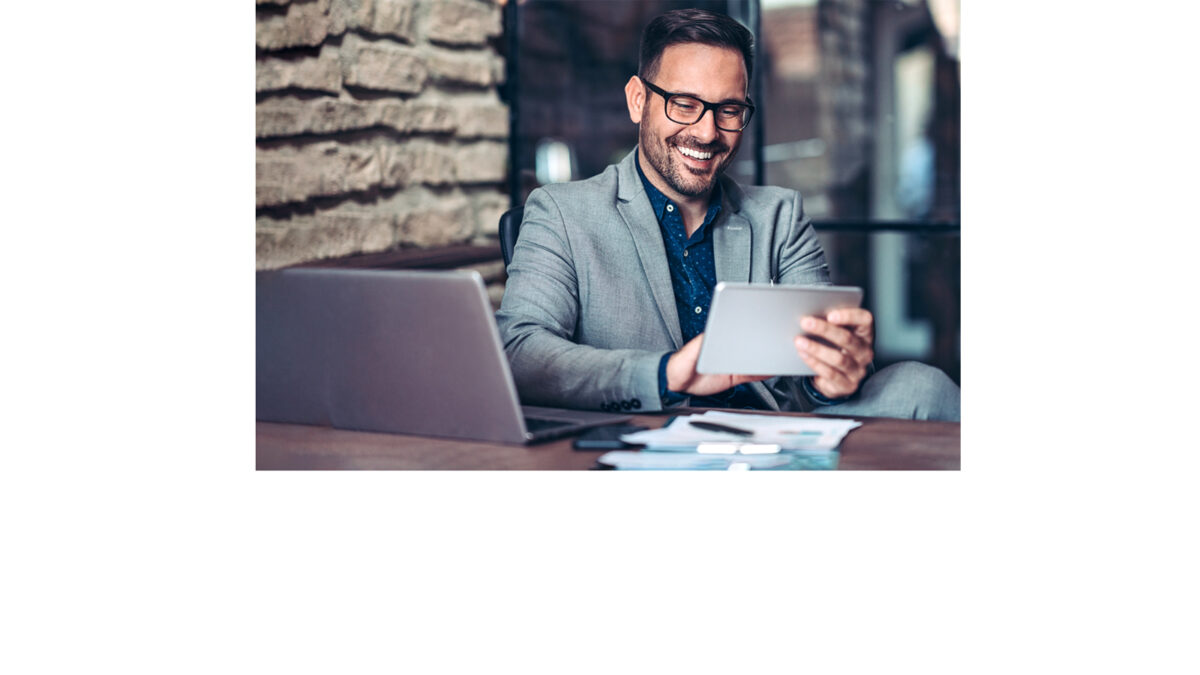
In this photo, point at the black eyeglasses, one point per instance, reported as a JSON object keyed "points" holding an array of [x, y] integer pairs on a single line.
{"points": [[684, 109]]}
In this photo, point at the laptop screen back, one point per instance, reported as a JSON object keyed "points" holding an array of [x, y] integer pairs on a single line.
{"points": [[405, 351]]}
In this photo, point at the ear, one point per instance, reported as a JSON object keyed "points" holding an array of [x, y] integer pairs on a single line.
{"points": [[635, 98]]}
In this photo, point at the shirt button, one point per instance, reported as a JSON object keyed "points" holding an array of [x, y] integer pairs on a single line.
{"points": [[685, 254], [698, 310], [670, 208]]}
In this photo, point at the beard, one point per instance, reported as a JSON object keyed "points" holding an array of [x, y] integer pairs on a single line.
{"points": [[683, 179]]}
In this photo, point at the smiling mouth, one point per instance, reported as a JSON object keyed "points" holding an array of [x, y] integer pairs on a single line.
{"points": [[694, 154]]}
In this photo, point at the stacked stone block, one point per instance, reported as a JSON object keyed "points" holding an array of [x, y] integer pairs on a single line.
{"points": [[378, 125]]}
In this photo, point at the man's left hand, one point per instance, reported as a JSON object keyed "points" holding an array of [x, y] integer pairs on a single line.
{"points": [[839, 369]]}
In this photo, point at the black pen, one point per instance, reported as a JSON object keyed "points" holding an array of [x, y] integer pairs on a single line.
{"points": [[713, 426]]}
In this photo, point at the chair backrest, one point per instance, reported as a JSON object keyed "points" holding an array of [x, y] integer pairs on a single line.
{"points": [[510, 226]]}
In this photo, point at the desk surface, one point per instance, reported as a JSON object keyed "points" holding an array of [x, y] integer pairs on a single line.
{"points": [[878, 444]]}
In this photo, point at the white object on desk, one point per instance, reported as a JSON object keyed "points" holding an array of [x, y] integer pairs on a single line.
{"points": [[794, 434]]}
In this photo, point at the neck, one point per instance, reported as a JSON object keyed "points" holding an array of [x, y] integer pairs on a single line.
{"points": [[693, 209]]}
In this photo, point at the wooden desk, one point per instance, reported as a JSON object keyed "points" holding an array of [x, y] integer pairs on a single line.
{"points": [[878, 444]]}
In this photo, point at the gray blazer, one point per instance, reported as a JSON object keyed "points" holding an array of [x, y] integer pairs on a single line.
{"points": [[589, 310]]}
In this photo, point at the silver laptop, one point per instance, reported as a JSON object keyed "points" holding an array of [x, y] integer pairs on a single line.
{"points": [[402, 351]]}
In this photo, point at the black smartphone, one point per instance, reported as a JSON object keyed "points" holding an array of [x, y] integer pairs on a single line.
{"points": [[605, 438]]}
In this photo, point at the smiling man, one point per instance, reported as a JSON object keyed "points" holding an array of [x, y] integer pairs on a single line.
{"points": [[611, 278]]}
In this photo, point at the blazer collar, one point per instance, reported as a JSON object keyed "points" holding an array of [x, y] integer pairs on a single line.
{"points": [[634, 206]]}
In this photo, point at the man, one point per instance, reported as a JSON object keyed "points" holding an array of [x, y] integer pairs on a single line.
{"points": [[611, 278]]}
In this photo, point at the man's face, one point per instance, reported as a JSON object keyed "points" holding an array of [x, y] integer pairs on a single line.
{"points": [[687, 158]]}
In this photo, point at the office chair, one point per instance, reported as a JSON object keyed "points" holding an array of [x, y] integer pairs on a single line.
{"points": [[510, 225]]}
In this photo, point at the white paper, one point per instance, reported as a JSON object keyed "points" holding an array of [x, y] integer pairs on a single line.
{"points": [[790, 433]]}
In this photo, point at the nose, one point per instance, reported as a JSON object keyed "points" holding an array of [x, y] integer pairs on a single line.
{"points": [[705, 129]]}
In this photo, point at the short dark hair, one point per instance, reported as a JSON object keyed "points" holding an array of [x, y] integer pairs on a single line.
{"points": [[682, 26]]}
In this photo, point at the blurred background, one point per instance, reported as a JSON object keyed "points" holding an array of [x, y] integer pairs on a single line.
{"points": [[393, 133]]}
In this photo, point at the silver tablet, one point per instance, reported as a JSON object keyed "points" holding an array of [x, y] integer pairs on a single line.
{"points": [[752, 328]]}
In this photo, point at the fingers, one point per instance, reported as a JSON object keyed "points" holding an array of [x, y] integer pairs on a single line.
{"points": [[836, 358], [837, 374], [857, 346], [829, 381], [839, 370], [851, 316], [857, 320], [682, 376]]}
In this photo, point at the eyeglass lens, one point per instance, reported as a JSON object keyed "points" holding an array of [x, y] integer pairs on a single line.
{"points": [[687, 110]]}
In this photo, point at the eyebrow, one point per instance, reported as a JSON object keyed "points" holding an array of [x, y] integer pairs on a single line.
{"points": [[688, 93]]}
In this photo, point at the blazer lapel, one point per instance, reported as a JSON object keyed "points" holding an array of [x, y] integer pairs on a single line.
{"points": [[634, 207], [731, 248], [731, 237]]}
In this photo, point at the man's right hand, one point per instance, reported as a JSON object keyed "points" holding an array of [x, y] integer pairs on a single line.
{"points": [[683, 378]]}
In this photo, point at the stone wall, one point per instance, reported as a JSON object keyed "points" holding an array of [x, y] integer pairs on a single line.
{"points": [[378, 125]]}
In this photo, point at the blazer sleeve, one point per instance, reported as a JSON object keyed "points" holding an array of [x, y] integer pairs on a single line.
{"points": [[538, 317], [799, 260]]}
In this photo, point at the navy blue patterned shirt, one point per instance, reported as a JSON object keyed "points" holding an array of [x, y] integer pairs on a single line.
{"points": [[693, 277]]}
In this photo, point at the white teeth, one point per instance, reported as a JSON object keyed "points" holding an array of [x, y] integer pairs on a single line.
{"points": [[694, 154]]}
